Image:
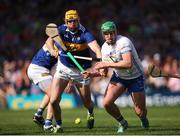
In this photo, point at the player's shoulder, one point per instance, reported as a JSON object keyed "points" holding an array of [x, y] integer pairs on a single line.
{"points": [[123, 39], [82, 28], [62, 27], [104, 46]]}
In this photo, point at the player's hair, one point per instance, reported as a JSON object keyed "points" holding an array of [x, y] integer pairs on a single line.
{"points": [[71, 15], [108, 26]]}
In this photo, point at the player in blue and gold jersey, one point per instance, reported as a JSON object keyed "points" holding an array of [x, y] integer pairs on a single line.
{"points": [[76, 42], [79, 41], [39, 71]]}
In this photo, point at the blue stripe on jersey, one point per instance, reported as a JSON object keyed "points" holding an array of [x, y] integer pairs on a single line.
{"points": [[78, 40], [44, 59]]}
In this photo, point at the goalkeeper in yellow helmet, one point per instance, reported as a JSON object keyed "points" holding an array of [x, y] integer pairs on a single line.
{"points": [[79, 41]]}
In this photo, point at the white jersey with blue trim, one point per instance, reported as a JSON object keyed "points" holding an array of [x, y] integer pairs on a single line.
{"points": [[114, 53]]}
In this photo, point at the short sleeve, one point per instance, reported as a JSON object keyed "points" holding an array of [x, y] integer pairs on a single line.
{"points": [[88, 37], [125, 46]]}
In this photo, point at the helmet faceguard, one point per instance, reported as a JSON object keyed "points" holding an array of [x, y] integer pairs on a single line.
{"points": [[71, 15]]}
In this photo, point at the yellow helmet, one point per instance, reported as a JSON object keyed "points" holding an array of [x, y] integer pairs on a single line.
{"points": [[71, 15]]}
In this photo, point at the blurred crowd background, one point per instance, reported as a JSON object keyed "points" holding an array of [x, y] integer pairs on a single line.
{"points": [[153, 26]]}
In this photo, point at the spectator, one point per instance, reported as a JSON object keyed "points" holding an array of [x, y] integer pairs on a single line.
{"points": [[155, 31], [2, 94], [174, 83]]}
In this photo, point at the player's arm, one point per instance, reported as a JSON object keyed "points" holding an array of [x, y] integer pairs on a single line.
{"points": [[92, 43], [125, 63], [91, 74], [51, 48], [94, 46]]}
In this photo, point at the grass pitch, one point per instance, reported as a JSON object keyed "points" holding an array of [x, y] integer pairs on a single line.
{"points": [[163, 121]]}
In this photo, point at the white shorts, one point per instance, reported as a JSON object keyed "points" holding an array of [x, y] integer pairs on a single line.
{"points": [[67, 73], [37, 73]]}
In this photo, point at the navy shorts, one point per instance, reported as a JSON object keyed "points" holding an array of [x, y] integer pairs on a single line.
{"points": [[133, 85]]}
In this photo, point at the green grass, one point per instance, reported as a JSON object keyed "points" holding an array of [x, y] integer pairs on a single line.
{"points": [[163, 121]]}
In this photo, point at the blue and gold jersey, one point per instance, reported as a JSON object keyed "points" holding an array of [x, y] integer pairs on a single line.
{"points": [[43, 58], [77, 44]]}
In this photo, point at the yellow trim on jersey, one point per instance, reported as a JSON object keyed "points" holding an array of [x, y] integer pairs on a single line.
{"points": [[76, 46]]}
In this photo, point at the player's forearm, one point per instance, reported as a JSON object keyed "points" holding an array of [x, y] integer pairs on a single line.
{"points": [[51, 48], [121, 64], [50, 44], [98, 52], [88, 74], [95, 48]]}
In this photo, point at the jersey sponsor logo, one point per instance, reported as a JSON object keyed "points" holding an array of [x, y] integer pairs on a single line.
{"points": [[76, 39], [75, 46]]}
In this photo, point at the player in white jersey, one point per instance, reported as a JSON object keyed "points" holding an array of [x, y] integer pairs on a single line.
{"points": [[119, 53]]}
